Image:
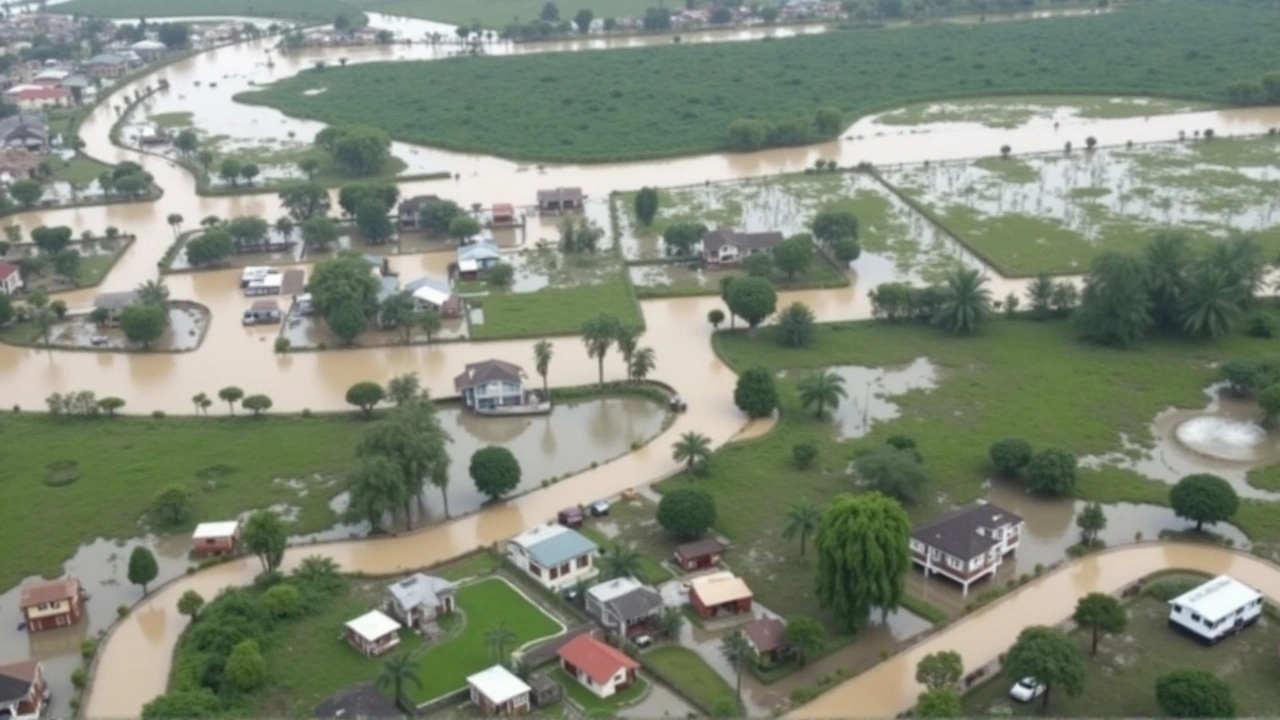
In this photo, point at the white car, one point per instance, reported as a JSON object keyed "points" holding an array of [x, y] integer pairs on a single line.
{"points": [[1026, 690]]}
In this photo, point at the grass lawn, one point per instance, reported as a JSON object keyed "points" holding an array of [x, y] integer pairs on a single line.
{"points": [[445, 667], [517, 107], [20, 333], [309, 11], [497, 14], [1001, 113], [94, 267], [636, 525], [228, 464], [681, 668], [554, 311], [592, 703], [80, 170], [1122, 677]]}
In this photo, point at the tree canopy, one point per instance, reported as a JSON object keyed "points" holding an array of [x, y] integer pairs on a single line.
{"points": [[1194, 693], [863, 557], [755, 393], [1051, 471], [495, 471], [940, 670], [1204, 498], [1100, 613], [687, 513], [752, 299], [1051, 657]]}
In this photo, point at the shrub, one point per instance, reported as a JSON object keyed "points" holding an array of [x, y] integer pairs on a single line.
{"points": [[687, 513], [804, 455], [1262, 325]]}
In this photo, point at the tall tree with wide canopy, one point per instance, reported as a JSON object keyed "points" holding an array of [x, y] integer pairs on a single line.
{"points": [[752, 299], [966, 302], [411, 437], [1204, 498], [863, 557], [598, 334], [1115, 308], [1051, 657], [376, 489], [942, 669], [265, 535], [1100, 613]]}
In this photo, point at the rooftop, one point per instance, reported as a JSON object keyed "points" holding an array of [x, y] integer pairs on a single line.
{"points": [[551, 545], [49, 591], [606, 591], [115, 300], [1217, 598], [208, 530], [967, 532], [720, 588], [361, 701], [419, 589], [480, 250], [563, 194], [6, 270], [373, 625], [700, 548], [720, 237], [16, 679], [498, 684], [767, 634], [485, 371], [598, 660], [430, 290]]}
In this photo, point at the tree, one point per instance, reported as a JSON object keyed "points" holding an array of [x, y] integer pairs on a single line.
{"points": [[679, 238], [715, 316], [257, 403], [142, 567], [403, 388], [940, 670], [282, 600], [1211, 304], [752, 299], [399, 670], [542, 354], [940, 703], [500, 275], [1194, 693], [190, 604], [495, 471], [1115, 308], [187, 142], [1040, 296], [305, 200], [643, 361], [1049, 656], [863, 557], [344, 280], [463, 227], [6, 309], [1269, 401], [1010, 455], [498, 637], [174, 35], [231, 395], [206, 160], [208, 247], [737, 651], [249, 171], [436, 215], [358, 150], [245, 670], [620, 560], [598, 334], [365, 395], [670, 620], [805, 636], [397, 312], [769, 14], [265, 536], [171, 506], [646, 205], [153, 292], [1203, 498], [846, 250], [755, 393], [966, 302], [190, 704], [627, 339], [1099, 613], [1241, 258], [1168, 257], [26, 192], [794, 255], [896, 473], [801, 521], [175, 222], [412, 438], [821, 390], [1091, 521], [759, 265], [687, 512], [51, 240], [579, 235], [583, 20], [143, 323], [67, 264], [318, 233], [309, 166], [1052, 471], [376, 489], [229, 171], [795, 325], [692, 449], [373, 222], [45, 319]]}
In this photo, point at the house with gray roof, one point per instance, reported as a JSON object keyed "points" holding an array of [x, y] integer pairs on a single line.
{"points": [[27, 131], [967, 544], [554, 555], [108, 65], [114, 303], [490, 384], [419, 599], [623, 605], [723, 246]]}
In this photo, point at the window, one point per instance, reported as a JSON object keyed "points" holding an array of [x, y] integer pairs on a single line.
{"points": [[582, 562], [535, 570], [1195, 617], [553, 574], [564, 569]]}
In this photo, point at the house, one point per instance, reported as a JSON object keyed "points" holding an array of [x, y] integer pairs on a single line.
{"points": [[107, 65], [599, 667], [23, 690], [723, 246], [560, 200], [966, 544], [419, 599], [215, 538], [52, 604], [490, 384], [262, 312], [25, 130], [51, 77], [767, 638], [78, 85], [373, 633], [497, 691], [360, 701], [10, 278], [38, 97], [148, 50], [114, 303], [721, 593], [430, 292], [545, 690], [698, 554], [503, 214], [623, 604], [1220, 607], [554, 555], [477, 257], [409, 211]]}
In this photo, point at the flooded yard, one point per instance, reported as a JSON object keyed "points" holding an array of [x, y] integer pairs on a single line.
{"points": [[1018, 111], [186, 330]]}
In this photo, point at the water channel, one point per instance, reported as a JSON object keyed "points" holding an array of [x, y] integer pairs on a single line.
{"points": [[133, 663]]}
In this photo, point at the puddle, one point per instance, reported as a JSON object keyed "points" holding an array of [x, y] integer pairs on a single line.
{"points": [[871, 391]]}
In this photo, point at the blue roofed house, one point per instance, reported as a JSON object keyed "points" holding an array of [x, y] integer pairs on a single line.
{"points": [[554, 555], [477, 257]]}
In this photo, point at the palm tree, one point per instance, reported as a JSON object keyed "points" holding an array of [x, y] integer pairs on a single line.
{"points": [[620, 560], [1211, 303], [542, 353], [498, 638], [153, 292], [598, 335], [801, 520], [737, 651], [175, 222], [821, 390], [966, 302], [1241, 257], [1168, 259], [627, 338], [398, 670], [1040, 296], [693, 448], [642, 363]]}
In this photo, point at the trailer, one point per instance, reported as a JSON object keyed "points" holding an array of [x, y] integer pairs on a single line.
{"points": [[1219, 608]]}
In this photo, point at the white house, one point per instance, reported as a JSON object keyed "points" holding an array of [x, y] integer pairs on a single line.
{"points": [[420, 598], [491, 383], [10, 279], [1221, 607], [597, 666], [373, 633], [554, 555], [967, 544], [497, 691], [435, 293], [476, 258], [623, 603], [148, 49]]}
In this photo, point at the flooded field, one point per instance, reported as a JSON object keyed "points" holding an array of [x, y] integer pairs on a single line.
{"points": [[185, 331], [1053, 213], [1013, 112]]}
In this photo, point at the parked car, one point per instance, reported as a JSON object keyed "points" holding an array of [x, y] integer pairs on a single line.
{"points": [[600, 508], [643, 641], [678, 404], [1026, 690], [98, 340], [570, 517]]}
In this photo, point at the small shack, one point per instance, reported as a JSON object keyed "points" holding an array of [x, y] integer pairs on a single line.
{"points": [[503, 214], [718, 594], [1221, 607], [699, 554], [262, 312], [560, 200], [497, 691], [545, 690], [215, 538], [373, 633], [767, 638]]}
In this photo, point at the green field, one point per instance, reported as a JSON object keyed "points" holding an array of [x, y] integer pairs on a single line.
{"points": [[554, 311], [544, 107], [80, 170], [1004, 113], [681, 668], [497, 14], [1121, 679], [444, 667], [309, 11], [228, 464]]}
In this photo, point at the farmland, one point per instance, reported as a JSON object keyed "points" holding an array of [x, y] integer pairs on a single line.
{"points": [[309, 11], [517, 106]]}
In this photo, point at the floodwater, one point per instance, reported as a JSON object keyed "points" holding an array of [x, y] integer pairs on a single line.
{"points": [[870, 391]]}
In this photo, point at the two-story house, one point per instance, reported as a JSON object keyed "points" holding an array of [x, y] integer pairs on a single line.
{"points": [[554, 555], [52, 604], [23, 691], [968, 544], [491, 383]]}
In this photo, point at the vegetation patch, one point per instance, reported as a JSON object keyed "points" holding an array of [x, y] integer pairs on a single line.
{"points": [[1013, 112], [309, 11], [691, 676], [553, 311], [62, 473]]}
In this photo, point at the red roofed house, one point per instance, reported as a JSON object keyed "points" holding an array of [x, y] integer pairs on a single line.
{"points": [[37, 97], [601, 668], [23, 690], [10, 278], [54, 604], [767, 638]]}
